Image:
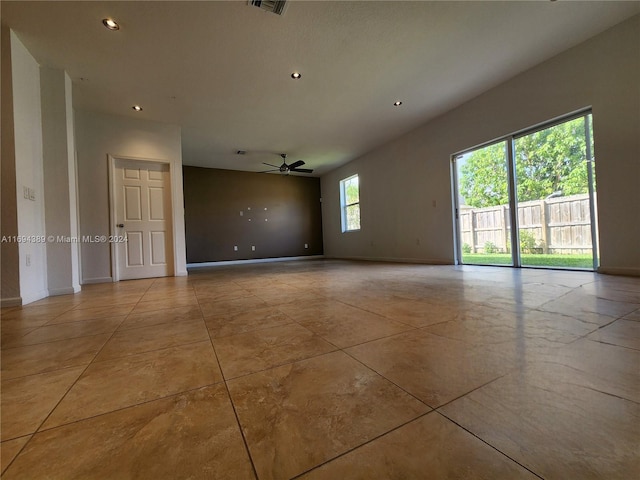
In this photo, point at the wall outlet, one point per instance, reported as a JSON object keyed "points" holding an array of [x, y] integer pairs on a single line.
{"points": [[241, 213], [306, 245], [253, 248], [28, 259], [235, 248], [29, 193]]}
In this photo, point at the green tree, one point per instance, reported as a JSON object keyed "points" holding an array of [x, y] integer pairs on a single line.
{"points": [[547, 161], [483, 177]]}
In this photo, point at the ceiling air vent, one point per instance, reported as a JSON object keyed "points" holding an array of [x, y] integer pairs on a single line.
{"points": [[274, 6]]}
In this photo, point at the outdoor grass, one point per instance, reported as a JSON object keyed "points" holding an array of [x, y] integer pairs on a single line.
{"points": [[551, 260]]}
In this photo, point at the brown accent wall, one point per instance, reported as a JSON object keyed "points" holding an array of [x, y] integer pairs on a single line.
{"points": [[278, 214]]}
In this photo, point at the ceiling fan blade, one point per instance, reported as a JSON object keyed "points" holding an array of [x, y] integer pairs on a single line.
{"points": [[271, 165], [268, 171], [301, 170], [297, 164]]}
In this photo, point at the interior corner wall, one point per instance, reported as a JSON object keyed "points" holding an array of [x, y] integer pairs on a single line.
{"points": [[72, 170], [405, 185], [97, 136], [27, 122], [278, 215], [9, 256], [59, 168]]}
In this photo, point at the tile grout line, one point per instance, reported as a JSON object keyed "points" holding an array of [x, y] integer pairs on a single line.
{"points": [[87, 367], [233, 407], [47, 342], [147, 351], [126, 407], [487, 443], [37, 429], [371, 440], [361, 343], [515, 369], [605, 393], [293, 321], [572, 368], [388, 380], [6, 467], [135, 404], [282, 364], [614, 344]]}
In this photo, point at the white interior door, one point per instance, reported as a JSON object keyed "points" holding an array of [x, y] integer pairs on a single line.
{"points": [[142, 204]]}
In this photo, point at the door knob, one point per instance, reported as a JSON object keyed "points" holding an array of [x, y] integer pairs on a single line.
{"points": [[120, 225]]}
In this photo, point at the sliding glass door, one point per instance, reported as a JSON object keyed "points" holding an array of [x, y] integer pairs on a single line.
{"points": [[483, 205], [546, 176], [553, 183]]}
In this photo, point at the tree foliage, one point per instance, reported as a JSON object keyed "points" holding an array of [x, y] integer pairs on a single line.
{"points": [[483, 177], [547, 161]]}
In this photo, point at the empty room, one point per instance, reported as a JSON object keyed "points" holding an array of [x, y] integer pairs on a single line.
{"points": [[302, 239]]}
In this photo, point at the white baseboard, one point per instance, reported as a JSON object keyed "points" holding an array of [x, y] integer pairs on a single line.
{"points": [[54, 292], [11, 302], [34, 297], [422, 261], [253, 260], [87, 281], [631, 272]]}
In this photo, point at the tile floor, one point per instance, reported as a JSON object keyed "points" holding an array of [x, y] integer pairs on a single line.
{"points": [[327, 370]]}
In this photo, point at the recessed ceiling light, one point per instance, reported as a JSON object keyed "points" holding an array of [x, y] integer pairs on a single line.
{"points": [[110, 23], [137, 108], [296, 75], [397, 103]]}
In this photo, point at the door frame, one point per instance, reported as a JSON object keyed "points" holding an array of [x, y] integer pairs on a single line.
{"points": [[113, 230]]}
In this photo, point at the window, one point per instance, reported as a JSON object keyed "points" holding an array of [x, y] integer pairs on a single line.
{"points": [[350, 203]]}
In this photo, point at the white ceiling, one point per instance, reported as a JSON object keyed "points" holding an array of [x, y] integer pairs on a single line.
{"points": [[222, 70]]}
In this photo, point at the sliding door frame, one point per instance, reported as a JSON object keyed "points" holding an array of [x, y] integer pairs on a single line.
{"points": [[510, 140], [513, 203], [457, 232]]}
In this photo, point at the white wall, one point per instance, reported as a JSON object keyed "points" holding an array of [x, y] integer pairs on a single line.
{"points": [[29, 170], [9, 253], [60, 185], [99, 135], [405, 184]]}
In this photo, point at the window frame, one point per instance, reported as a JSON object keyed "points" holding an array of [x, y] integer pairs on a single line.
{"points": [[344, 205]]}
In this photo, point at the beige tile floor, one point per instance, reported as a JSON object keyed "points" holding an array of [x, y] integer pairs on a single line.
{"points": [[327, 370]]}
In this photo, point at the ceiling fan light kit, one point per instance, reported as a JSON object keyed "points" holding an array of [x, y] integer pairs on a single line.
{"points": [[285, 169]]}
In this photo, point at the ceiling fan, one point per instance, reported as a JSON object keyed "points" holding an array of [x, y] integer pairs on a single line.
{"points": [[286, 169]]}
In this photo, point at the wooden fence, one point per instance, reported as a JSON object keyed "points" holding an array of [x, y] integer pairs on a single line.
{"points": [[556, 225]]}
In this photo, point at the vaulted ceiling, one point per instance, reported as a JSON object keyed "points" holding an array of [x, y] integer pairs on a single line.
{"points": [[222, 69]]}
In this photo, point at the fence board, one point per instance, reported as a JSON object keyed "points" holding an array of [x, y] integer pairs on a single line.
{"points": [[559, 225]]}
